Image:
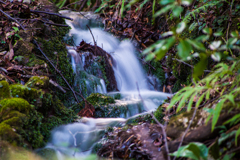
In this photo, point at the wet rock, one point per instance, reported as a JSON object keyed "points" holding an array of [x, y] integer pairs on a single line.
{"points": [[142, 141], [23, 48], [178, 124], [38, 82]]}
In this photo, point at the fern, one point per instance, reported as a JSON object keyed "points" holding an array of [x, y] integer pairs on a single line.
{"points": [[216, 81], [200, 9], [203, 8]]}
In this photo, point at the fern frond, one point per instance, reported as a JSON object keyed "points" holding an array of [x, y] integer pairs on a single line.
{"points": [[203, 8]]}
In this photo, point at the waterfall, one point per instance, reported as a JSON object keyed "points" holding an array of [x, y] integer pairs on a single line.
{"points": [[77, 139]]}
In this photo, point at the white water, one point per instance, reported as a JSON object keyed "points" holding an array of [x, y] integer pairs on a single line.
{"points": [[77, 139]]}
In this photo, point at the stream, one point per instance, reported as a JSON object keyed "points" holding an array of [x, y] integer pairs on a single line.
{"points": [[78, 139]]}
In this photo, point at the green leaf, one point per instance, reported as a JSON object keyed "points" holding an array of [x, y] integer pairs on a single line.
{"points": [[194, 151], [233, 120], [230, 97], [200, 66], [186, 2], [122, 8], [235, 34], [164, 2], [218, 34], [15, 29], [180, 27], [207, 30], [164, 10], [237, 134], [168, 43], [186, 95], [216, 56], [184, 48], [214, 150], [193, 26], [217, 112], [196, 44], [215, 45], [150, 56], [202, 38], [177, 11], [231, 41], [191, 102], [200, 99]]}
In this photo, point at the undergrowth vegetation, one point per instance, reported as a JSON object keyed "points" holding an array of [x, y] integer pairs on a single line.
{"points": [[202, 34]]}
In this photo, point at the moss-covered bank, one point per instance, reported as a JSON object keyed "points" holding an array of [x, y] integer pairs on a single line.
{"points": [[27, 115]]}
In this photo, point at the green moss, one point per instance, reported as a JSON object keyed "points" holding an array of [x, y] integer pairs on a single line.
{"points": [[18, 104], [13, 115], [33, 61], [31, 130], [48, 125], [180, 71], [159, 113], [8, 134], [23, 48], [32, 95], [57, 52], [37, 82], [4, 90], [98, 99], [104, 106]]}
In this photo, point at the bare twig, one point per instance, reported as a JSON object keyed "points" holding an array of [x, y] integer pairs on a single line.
{"points": [[56, 14], [7, 15], [3, 2], [57, 85], [83, 4], [66, 7], [208, 71], [55, 24], [186, 131], [92, 35], [162, 127], [59, 72], [147, 63]]}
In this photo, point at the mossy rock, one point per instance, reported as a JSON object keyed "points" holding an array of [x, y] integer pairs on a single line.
{"points": [[98, 99], [57, 52], [32, 61], [18, 104], [7, 133], [32, 95], [22, 48], [4, 90], [38, 82], [178, 124], [13, 113]]}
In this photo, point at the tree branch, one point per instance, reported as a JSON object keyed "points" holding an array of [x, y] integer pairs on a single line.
{"points": [[56, 14], [59, 72], [208, 71], [186, 131], [7, 15]]}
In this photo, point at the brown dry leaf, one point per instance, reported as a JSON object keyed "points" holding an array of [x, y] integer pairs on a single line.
{"points": [[10, 53], [165, 105], [87, 111]]}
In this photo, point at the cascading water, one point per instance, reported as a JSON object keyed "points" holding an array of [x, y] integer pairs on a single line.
{"points": [[77, 139]]}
